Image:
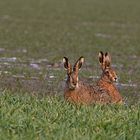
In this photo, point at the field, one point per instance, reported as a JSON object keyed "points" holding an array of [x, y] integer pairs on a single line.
{"points": [[34, 37]]}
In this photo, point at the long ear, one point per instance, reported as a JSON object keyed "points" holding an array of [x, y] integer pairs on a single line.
{"points": [[102, 59], [78, 64], [107, 60], [67, 65]]}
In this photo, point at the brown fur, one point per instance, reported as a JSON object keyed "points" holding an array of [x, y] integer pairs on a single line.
{"points": [[78, 92], [106, 82]]}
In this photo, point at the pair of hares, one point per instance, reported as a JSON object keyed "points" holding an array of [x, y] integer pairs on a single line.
{"points": [[82, 93]]}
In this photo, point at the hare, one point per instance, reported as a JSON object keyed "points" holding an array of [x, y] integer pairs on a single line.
{"points": [[108, 77], [78, 92]]}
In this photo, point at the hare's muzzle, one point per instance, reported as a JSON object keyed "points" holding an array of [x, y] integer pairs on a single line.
{"points": [[72, 87], [115, 79]]}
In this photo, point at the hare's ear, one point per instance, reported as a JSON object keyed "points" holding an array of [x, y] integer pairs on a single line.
{"points": [[107, 59], [78, 64], [102, 59], [67, 65]]}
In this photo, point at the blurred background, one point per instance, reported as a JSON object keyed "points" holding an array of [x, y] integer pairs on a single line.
{"points": [[36, 34]]}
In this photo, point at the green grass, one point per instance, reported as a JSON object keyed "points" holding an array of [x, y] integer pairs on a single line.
{"points": [[42, 32], [29, 117]]}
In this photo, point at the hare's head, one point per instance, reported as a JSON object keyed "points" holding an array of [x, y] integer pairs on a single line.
{"points": [[72, 72], [105, 61]]}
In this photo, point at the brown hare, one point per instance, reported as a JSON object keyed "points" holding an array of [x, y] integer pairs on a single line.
{"points": [[78, 92], [108, 77]]}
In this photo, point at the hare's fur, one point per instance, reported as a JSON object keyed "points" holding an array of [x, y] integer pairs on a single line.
{"points": [[79, 92], [106, 82]]}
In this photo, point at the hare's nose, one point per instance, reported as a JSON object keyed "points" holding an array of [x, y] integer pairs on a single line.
{"points": [[115, 78]]}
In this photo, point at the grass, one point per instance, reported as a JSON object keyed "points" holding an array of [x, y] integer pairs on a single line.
{"points": [[24, 116], [38, 34]]}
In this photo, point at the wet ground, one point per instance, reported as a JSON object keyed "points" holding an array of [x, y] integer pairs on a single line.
{"points": [[30, 75]]}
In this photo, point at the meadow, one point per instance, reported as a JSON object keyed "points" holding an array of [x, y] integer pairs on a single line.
{"points": [[34, 37]]}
